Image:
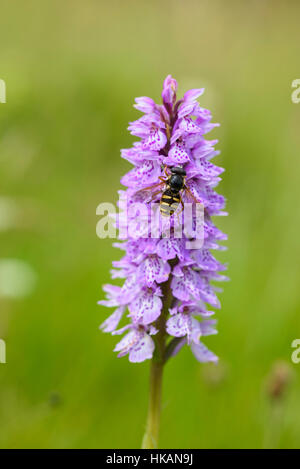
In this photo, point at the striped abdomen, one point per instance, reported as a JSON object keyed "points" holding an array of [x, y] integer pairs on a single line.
{"points": [[169, 202]]}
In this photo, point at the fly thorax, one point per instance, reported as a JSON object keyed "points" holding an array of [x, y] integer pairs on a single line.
{"points": [[176, 182]]}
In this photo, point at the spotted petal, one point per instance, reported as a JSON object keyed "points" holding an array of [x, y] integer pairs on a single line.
{"points": [[179, 325], [156, 140], [142, 350], [206, 261], [146, 307], [113, 320], [145, 174], [177, 155], [168, 248], [155, 269], [202, 353], [188, 125], [128, 341], [179, 289]]}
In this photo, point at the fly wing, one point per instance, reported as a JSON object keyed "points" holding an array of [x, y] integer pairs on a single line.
{"points": [[147, 194]]}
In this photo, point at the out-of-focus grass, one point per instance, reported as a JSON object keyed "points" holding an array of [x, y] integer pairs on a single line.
{"points": [[72, 71]]}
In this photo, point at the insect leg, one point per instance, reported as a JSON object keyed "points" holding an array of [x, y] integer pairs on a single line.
{"points": [[165, 171], [186, 188]]}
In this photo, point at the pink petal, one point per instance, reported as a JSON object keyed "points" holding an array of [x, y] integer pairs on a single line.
{"points": [[142, 350], [156, 140], [145, 308], [113, 320], [179, 325], [202, 353], [177, 155]]}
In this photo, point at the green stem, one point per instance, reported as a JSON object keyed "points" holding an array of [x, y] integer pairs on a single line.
{"points": [[150, 440]]}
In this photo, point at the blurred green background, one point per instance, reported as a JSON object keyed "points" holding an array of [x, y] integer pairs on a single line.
{"points": [[72, 70]]}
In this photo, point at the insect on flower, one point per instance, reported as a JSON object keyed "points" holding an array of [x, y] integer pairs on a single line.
{"points": [[168, 287], [171, 187], [171, 165]]}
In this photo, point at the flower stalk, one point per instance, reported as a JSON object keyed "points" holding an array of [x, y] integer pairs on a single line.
{"points": [[150, 439]]}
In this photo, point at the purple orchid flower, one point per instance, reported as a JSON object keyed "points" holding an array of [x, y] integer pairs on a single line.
{"points": [[167, 287], [137, 343], [182, 323]]}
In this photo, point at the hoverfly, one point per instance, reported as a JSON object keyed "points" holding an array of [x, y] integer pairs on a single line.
{"points": [[173, 184]]}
